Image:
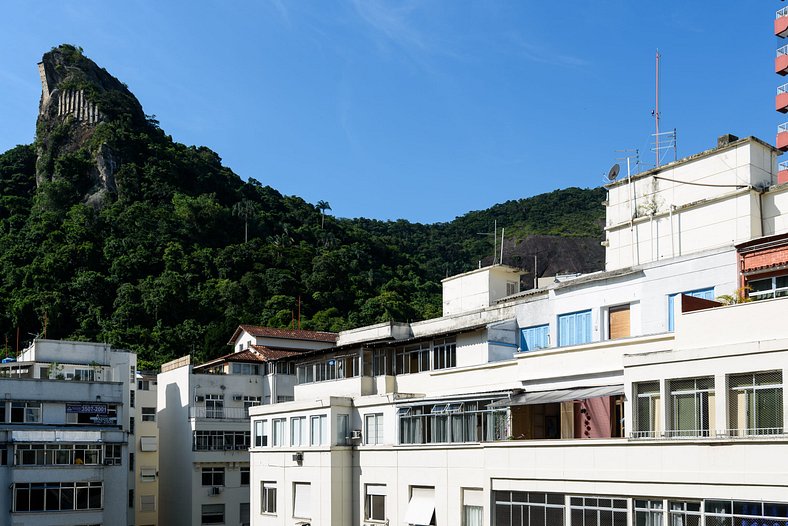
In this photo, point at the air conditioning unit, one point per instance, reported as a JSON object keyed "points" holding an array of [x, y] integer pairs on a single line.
{"points": [[238, 398], [216, 490], [109, 462], [298, 457], [199, 399], [355, 434]]}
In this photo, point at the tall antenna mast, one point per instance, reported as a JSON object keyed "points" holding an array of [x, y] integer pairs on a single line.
{"points": [[656, 109]]}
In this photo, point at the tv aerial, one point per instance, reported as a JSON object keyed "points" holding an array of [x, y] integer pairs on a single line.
{"points": [[613, 173]]}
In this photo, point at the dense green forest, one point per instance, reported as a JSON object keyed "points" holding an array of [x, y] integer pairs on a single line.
{"points": [[182, 250]]}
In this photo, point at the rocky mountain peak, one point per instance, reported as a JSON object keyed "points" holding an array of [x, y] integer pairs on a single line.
{"points": [[78, 98]]}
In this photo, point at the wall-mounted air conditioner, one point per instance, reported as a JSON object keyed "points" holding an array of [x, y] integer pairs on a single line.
{"points": [[199, 399], [237, 398], [298, 457], [216, 490], [355, 434]]}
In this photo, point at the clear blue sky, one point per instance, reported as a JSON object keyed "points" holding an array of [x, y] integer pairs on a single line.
{"points": [[422, 110]]}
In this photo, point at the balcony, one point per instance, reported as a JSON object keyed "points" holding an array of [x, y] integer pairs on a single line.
{"points": [[782, 137], [226, 413], [781, 23], [781, 100], [781, 61], [782, 172]]}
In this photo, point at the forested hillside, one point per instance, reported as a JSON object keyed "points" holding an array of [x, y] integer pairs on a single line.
{"points": [[111, 231]]}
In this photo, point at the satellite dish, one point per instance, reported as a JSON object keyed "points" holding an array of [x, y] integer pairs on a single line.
{"points": [[613, 173]]}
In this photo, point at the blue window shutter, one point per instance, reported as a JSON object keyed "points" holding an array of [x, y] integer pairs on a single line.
{"points": [[575, 328], [533, 338], [671, 311]]}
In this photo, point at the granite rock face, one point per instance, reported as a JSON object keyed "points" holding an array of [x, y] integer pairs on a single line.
{"points": [[78, 100]]}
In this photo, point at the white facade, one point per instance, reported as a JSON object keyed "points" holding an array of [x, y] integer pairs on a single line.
{"points": [[67, 435], [620, 397], [203, 422]]}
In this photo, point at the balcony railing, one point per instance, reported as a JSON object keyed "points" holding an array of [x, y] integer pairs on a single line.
{"points": [[683, 434], [782, 51], [782, 12], [226, 413], [782, 127], [782, 89], [782, 166]]}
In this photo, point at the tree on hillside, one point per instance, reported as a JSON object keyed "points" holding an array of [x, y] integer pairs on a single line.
{"points": [[323, 206]]}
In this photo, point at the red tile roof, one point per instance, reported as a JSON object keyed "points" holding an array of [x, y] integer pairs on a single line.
{"points": [[287, 334], [257, 354], [270, 353]]}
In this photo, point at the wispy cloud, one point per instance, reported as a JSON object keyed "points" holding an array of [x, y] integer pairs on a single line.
{"points": [[283, 12], [391, 22], [545, 55]]}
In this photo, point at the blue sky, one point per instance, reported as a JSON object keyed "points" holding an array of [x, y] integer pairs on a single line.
{"points": [[422, 110]]}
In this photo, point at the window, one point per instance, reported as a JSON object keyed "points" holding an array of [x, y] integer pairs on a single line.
{"points": [[131, 461], [421, 506], [574, 328], [220, 440], [375, 502], [302, 500], [756, 403], [267, 497], [113, 454], [381, 362], [57, 496], [147, 503], [473, 507], [284, 398], [245, 476], [148, 414], [249, 402], [131, 425], [213, 514], [57, 454], [618, 322], [343, 430], [648, 410], [85, 375], [318, 430], [705, 294], [260, 433], [149, 443], [648, 512], [243, 513], [132, 397], [444, 353], [533, 338], [245, 368], [213, 476], [726, 512], [543, 509], [456, 421], [373, 424], [214, 406], [413, 358], [691, 407], [298, 431], [683, 513], [592, 511], [761, 289], [26, 412], [512, 287], [148, 474], [278, 437]]}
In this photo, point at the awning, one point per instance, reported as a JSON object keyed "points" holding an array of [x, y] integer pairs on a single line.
{"points": [[421, 506], [560, 395]]}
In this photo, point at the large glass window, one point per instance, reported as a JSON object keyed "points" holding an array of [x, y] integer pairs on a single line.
{"points": [[220, 440], [318, 430], [756, 403], [648, 512], [444, 353], [648, 410], [373, 432], [212, 514], [683, 513], [214, 406], [774, 287], [148, 414], [742, 513], [213, 476], [533, 338], [26, 412], [58, 496], [516, 508], [298, 431], [57, 454], [260, 433], [278, 431], [343, 429], [413, 358], [375, 502], [691, 407], [574, 328], [593, 511], [455, 421]]}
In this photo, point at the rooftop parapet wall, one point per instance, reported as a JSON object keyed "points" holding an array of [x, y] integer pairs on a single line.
{"points": [[62, 351]]}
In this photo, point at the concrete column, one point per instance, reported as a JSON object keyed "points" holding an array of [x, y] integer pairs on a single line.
{"points": [[721, 397]]}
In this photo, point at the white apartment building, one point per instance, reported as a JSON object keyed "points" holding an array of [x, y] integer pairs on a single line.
{"points": [[203, 422], [622, 397], [67, 435]]}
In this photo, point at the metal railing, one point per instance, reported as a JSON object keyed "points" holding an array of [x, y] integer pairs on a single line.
{"points": [[782, 166], [782, 51], [782, 127], [782, 89], [782, 12], [685, 434], [227, 413]]}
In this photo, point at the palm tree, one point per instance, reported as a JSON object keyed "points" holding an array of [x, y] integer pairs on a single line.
{"points": [[323, 206], [244, 208]]}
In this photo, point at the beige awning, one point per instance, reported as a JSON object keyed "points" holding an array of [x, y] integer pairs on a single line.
{"points": [[560, 395]]}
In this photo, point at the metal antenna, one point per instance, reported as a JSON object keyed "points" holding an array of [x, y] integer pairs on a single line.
{"points": [[494, 234], [656, 109]]}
